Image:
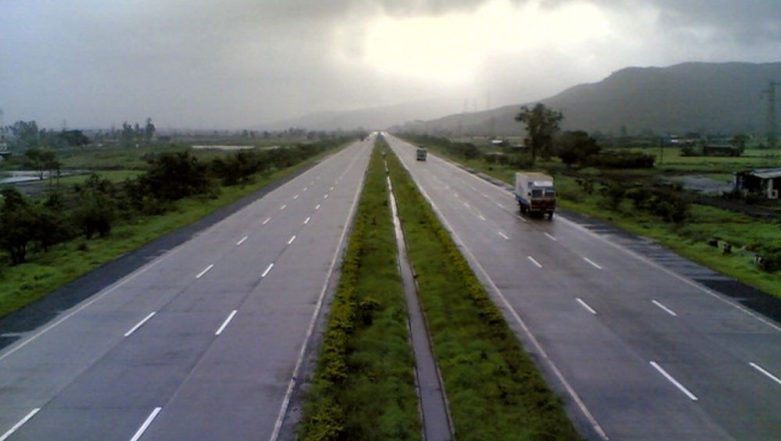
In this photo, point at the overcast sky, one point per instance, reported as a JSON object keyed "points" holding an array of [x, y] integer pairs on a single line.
{"points": [[242, 63]]}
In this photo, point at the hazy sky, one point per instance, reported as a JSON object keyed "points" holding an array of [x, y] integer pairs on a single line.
{"points": [[241, 63]]}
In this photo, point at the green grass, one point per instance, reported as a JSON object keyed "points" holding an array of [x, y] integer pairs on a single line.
{"points": [[494, 389], [44, 272], [363, 388]]}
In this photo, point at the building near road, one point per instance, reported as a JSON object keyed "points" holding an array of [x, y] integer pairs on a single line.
{"points": [[765, 182]]}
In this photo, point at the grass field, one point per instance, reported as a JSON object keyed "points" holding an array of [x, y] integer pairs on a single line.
{"points": [[45, 272], [495, 391], [690, 238], [363, 388]]}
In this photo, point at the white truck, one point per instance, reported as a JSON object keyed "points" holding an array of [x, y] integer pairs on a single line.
{"points": [[535, 193]]}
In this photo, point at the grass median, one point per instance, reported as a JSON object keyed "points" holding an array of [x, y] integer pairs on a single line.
{"points": [[43, 273], [363, 387], [494, 389]]}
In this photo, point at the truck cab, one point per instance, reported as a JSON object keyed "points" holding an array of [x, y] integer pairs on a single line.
{"points": [[421, 154]]}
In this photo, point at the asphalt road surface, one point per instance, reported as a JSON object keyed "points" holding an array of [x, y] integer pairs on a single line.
{"points": [[202, 343], [637, 351]]}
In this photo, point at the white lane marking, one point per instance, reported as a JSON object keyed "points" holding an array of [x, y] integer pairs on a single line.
{"points": [[534, 261], [473, 187], [140, 324], [225, 323], [312, 321], [266, 221], [21, 423], [283, 206], [147, 423], [325, 196], [332, 188], [485, 195], [295, 197], [268, 268], [498, 204], [243, 239], [664, 308], [674, 381], [482, 218], [306, 221], [466, 204], [592, 263], [306, 188], [455, 194], [551, 237], [504, 236], [291, 239], [759, 368], [487, 279], [671, 273], [205, 270], [317, 207], [585, 305]]}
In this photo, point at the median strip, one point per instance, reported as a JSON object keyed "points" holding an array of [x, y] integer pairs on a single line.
{"points": [[364, 386]]}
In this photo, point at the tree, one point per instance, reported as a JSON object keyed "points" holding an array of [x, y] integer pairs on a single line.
{"points": [[17, 224], [149, 131], [41, 160], [541, 124], [576, 147], [739, 141]]}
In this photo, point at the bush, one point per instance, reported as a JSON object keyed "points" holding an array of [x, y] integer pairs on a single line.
{"points": [[622, 160]]}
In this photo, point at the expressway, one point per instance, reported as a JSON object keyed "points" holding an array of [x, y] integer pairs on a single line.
{"points": [[205, 342], [636, 350]]}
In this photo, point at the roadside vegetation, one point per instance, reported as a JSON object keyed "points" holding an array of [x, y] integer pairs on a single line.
{"points": [[363, 387], [494, 390], [638, 189], [72, 229]]}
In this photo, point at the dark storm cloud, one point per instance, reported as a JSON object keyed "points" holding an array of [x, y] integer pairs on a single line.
{"points": [[240, 62]]}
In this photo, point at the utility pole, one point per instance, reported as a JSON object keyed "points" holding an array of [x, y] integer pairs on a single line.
{"points": [[771, 113]]}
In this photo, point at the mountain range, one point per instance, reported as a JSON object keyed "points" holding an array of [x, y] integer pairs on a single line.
{"points": [[723, 98]]}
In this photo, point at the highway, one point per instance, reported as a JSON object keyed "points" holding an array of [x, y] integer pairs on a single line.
{"points": [[205, 342], [636, 350]]}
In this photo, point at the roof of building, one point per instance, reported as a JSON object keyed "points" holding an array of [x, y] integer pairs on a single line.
{"points": [[766, 173]]}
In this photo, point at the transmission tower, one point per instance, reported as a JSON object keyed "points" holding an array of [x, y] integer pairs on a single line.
{"points": [[771, 113]]}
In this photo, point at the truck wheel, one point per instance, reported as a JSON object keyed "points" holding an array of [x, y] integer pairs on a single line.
{"points": [[550, 216]]}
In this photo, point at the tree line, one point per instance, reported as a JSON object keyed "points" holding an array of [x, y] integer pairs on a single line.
{"points": [[94, 207]]}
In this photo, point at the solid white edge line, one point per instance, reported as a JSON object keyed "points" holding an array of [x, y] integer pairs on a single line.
{"points": [[205, 270], [313, 321], [21, 423], [291, 239], [243, 239], [504, 236], [637, 256], [586, 305], [508, 307], [147, 423], [534, 261], [225, 323], [140, 324], [592, 263], [664, 308], [551, 237], [266, 221], [760, 369], [306, 221], [268, 268], [673, 381]]}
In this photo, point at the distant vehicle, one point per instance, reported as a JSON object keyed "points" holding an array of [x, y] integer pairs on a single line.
{"points": [[535, 193], [421, 154]]}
